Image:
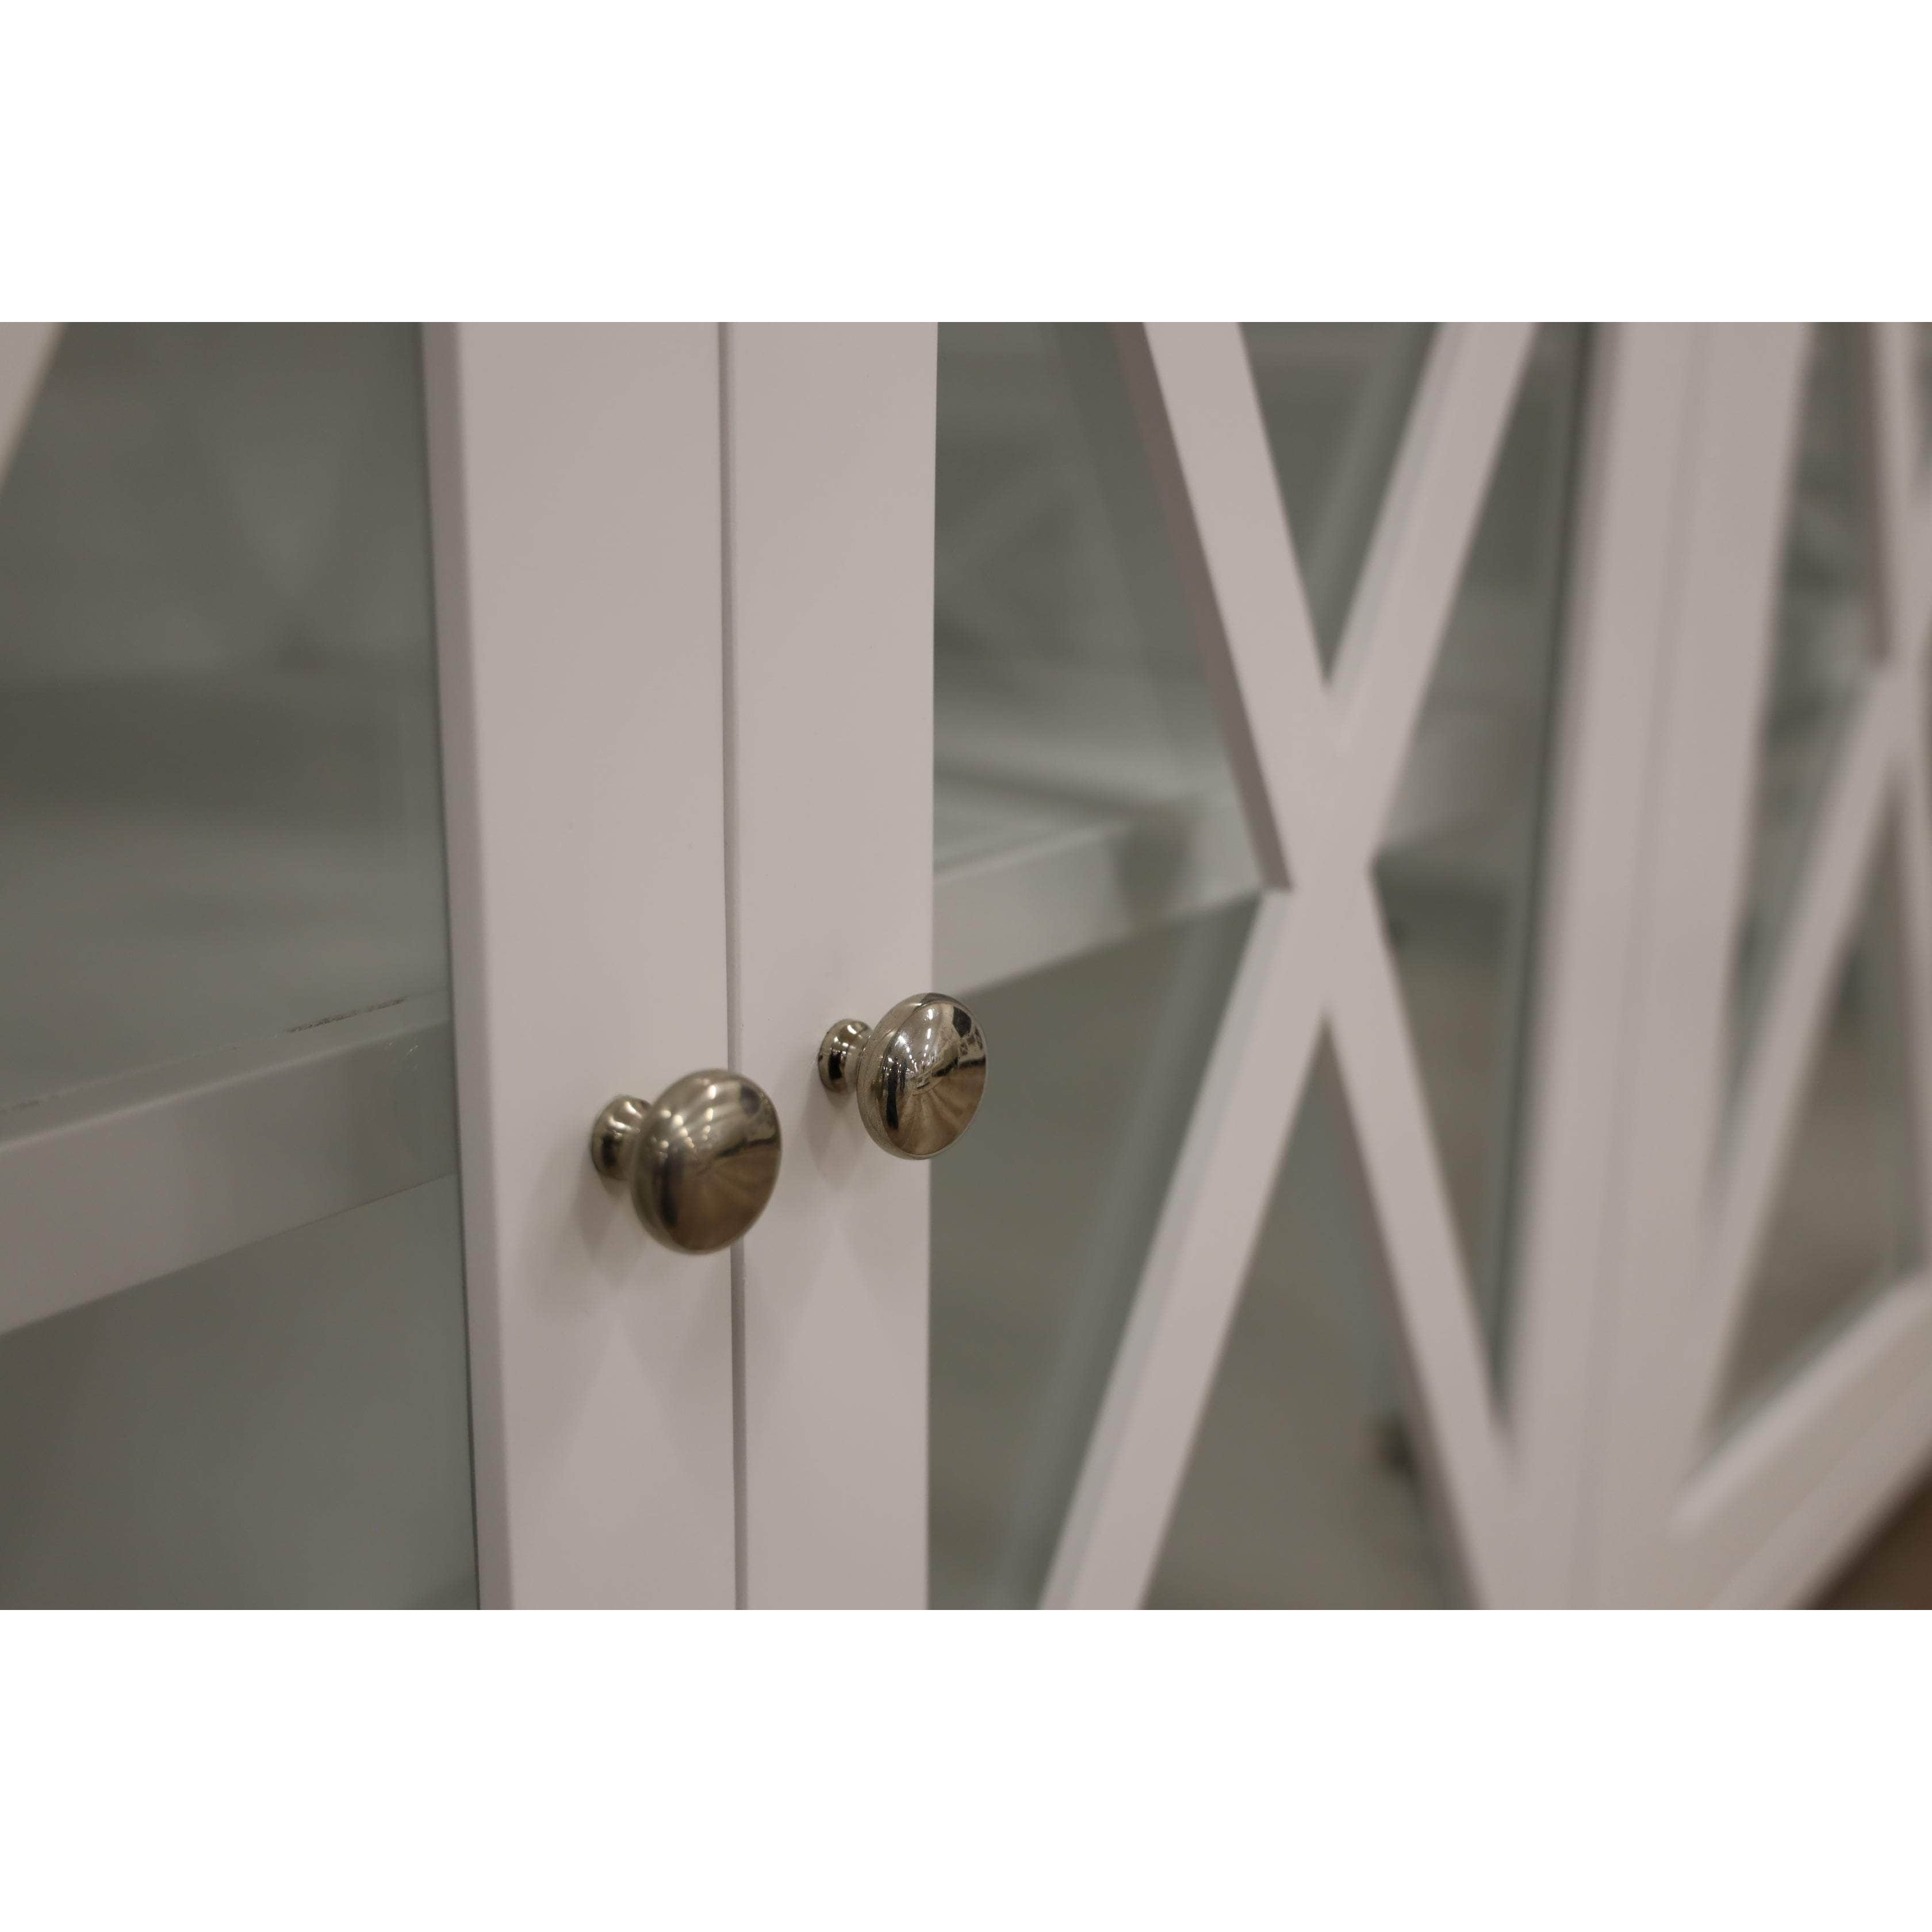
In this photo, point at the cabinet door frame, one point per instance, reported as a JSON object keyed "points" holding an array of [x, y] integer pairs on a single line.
{"points": [[577, 513], [577, 524], [1762, 1514], [830, 637], [829, 485]]}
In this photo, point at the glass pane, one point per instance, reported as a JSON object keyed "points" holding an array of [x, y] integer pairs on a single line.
{"points": [[1070, 704], [221, 824], [286, 1425], [220, 806], [1823, 649], [1459, 865], [1093, 885], [1041, 1218], [1335, 398], [1845, 1223], [1301, 1490]]}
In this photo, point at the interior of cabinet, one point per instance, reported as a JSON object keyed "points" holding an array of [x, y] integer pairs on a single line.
{"points": [[1082, 790]]}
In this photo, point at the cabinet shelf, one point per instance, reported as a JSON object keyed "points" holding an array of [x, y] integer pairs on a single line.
{"points": [[1075, 808]]}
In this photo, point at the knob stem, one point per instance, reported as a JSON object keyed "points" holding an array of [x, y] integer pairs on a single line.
{"points": [[613, 1138], [838, 1055]]}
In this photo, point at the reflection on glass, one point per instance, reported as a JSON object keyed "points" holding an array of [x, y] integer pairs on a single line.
{"points": [[1042, 1217], [1845, 1223], [287, 1425], [1093, 884], [1070, 706], [1459, 865], [1336, 398], [220, 806], [1822, 648], [220, 824], [1302, 1489]]}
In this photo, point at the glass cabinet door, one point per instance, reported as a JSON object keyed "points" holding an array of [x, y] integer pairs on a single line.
{"points": [[233, 1369], [1100, 903]]}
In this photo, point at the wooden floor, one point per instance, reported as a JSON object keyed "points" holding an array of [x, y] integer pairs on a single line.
{"points": [[1895, 1573]]}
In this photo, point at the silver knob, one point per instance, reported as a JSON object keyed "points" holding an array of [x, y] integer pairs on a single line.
{"points": [[917, 1075], [701, 1161]]}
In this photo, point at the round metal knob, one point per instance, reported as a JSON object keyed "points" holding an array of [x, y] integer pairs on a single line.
{"points": [[701, 1161], [918, 1074]]}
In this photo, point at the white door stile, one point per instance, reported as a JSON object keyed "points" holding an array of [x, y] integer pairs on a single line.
{"points": [[1762, 1515], [1696, 839], [1626, 525], [576, 510], [829, 466], [1788, 1498], [1746, 1513], [1891, 421], [1775, 1507]]}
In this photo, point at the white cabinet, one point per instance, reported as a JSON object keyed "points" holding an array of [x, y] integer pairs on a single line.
{"points": [[1431, 823]]}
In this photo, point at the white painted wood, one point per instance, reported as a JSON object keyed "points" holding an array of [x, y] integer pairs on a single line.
{"points": [[25, 350], [1764, 1514], [1738, 1505], [1783, 1500], [1592, 893], [829, 462], [1915, 590], [120, 1180], [1736, 486], [1636, 1235], [1892, 424], [576, 500], [1415, 562], [1317, 948], [1194, 395], [1835, 1505]]}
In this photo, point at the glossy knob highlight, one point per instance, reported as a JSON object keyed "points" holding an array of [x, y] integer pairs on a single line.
{"points": [[701, 1161], [917, 1075]]}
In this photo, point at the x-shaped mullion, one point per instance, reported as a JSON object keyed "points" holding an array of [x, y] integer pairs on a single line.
{"points": [[1317, 775]]}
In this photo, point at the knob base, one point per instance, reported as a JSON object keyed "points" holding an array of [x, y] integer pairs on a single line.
{"points": [[613, 1138], [838, 1055]]}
